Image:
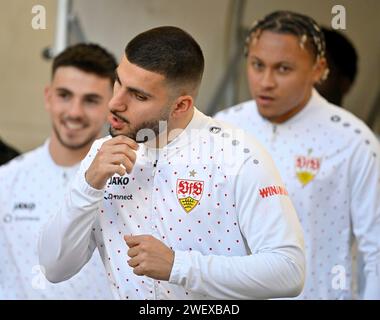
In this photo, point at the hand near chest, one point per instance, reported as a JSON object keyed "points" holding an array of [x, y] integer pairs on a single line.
{"points": [[149, 257]]}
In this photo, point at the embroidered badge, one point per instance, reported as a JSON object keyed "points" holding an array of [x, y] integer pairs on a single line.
{"points": [[307, 168], [189, 193]]}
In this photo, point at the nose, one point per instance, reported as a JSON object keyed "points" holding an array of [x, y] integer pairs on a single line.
{"points": [[118, 102], [268, 80], [76, 109]]}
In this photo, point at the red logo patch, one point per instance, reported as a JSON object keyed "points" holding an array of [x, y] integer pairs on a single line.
{"points": [[189, 193], [307, 168]]}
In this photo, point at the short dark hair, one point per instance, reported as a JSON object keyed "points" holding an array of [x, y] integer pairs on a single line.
{"points": [[288, 22], [169, 51], [90, 58], [341, 52]]}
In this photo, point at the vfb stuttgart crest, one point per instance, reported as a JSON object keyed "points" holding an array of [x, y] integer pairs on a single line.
{"points": [[307, 168], [189, 193]]}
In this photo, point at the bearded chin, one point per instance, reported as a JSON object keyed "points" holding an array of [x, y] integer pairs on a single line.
{"points": [[131, 134], [147, 131]]}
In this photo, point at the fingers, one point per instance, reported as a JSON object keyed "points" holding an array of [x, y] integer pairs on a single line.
{"points": [[149, 257], [132, 241], [139, 265], [134, 262], [133, 252], [121, 148], [122, 140], [139, 271], [120, 153], [124, 150], [118, 169], [121, 159]]}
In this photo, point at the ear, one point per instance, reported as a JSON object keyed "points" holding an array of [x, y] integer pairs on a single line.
{"points": [[47, 97], [320, 70], [181, 106]]}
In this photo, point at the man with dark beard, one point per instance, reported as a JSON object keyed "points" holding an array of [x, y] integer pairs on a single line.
{"points": [[33, 185], [194, 210]]}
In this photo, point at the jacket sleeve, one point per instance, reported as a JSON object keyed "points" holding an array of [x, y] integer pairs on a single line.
{"points": [[274, 267], [66, 242], [365, 211]]}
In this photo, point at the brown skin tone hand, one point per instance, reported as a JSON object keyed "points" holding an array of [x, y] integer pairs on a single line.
{"points": [[110, 159], [149, 257]]}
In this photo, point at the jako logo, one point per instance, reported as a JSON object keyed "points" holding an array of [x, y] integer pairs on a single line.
{"points": [[272, 191], [119, 181], [24, 206]]}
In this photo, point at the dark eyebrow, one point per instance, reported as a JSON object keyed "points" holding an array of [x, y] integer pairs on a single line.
{"points": [[93, 96], [279, 63], [64, 90], [139, 91], [131, 89]]}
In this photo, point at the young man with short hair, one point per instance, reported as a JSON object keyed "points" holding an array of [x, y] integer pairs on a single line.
{"points": [[328, 158], [193, 210], [33, 185]]}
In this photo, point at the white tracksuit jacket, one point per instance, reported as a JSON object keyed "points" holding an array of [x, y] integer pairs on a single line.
{"points": [[213, 195], [32, 186], [330, 163]]}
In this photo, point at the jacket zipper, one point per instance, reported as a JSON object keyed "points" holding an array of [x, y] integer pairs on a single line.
{"points": [[274, 134]]}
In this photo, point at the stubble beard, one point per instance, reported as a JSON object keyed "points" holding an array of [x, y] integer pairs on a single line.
{"points": [[147, 130]]}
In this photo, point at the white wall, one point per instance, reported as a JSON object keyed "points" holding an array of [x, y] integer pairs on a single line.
{"points": [[23, 120]]}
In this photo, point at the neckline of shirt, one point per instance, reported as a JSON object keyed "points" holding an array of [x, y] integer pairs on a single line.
{"points": [[50, 162], [198, 122], [315, 101]]}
